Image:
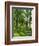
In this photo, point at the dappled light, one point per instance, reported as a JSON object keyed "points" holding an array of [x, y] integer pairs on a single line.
{"points": [[21, 22]]}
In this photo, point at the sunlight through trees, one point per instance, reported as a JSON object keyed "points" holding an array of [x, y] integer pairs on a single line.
{"points": [[21, 22]]}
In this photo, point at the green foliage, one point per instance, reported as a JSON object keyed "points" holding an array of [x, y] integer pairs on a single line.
{"points": [[21, 22]]}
